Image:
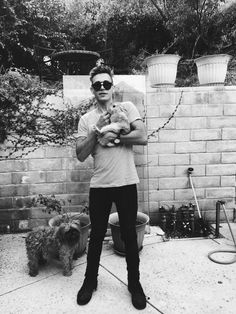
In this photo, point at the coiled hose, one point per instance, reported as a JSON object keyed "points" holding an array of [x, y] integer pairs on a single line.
{"points": [[224, 251]]}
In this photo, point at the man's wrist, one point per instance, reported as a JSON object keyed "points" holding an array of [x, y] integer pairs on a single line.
{"points": [[95, 129]]}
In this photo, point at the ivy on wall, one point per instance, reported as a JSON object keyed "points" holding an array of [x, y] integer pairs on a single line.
{"points": [[28, 120]]}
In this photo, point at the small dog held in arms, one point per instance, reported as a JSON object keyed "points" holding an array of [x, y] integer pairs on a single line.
{"points": [[119, 122], [58, 242]]}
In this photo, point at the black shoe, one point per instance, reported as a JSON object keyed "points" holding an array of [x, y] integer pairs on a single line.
{"points": [[138, 296], [85, 293]]}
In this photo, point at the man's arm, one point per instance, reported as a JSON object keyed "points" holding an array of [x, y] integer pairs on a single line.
{"points": [[85, 145], [137, 136]]}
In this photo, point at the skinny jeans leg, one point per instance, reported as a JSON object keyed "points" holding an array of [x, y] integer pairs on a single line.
{"points": [[127, 207], [100, 203]]}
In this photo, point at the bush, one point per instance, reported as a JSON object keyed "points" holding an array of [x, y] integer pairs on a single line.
{"points": [[28, 120]]}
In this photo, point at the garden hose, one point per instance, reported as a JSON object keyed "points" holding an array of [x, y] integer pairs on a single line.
{"points": [[224, 251]]}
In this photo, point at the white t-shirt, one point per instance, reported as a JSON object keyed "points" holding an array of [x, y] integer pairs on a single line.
{"points": [[113, 166]]}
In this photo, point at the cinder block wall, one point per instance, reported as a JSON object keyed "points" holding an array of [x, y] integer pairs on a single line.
{"points": [[49, 170], [201, 135]]}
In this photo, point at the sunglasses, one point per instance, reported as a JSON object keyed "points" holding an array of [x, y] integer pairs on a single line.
{"points": [[98, 85]]}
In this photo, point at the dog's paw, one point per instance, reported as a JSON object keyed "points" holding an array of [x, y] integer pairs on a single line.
{"points": [[33, 273], [67, 273]]}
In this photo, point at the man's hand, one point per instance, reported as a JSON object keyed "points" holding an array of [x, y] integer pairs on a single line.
{"points": [[103, 120], [106, 138]]}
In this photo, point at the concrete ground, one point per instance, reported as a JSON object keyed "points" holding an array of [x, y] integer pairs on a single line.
{"points": [[176, 275]]}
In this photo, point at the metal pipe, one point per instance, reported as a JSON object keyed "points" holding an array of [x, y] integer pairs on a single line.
{"points": [[217, 228], [190, 170]]}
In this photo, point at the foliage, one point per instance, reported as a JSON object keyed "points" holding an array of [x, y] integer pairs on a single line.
{"points": [[123, 32], [51, 204], [28, 120]]}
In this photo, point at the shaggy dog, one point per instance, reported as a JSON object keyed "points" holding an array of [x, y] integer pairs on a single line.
{"points": [[119, 122], [58, 242]]}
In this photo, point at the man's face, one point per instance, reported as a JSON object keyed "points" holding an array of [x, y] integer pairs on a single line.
{"points": [[102, 93]]}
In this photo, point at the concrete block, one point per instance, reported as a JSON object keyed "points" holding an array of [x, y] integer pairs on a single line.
{"points": [[218, 96], [76, 199], [77, 187], [13, 165], [187, 194], [210, 204], [13, 190], [221, 122], [190, 147], [205, 158], [38, 153], [161, 195], [166, 110], [160, 98], [206, 134], [156, 123], [222, 170], [28, 177], [174, 136], [22, 202], [148, 184], [79, 175], [6, 203], [212, 181], [46, 188], [173, 183], [161, 148], [198, 110], [214, 110], [221, 192], [181, 171], [228, 181], [221, 146], [230, 109], [5, 178], [174, 159], [195, 97], [56, 176], [229, 134], [58, 151], [152, 160], [153, 111], [191, 123], [45, 164], [230, 95], [161, 171], [229, 158], [183, 111]]}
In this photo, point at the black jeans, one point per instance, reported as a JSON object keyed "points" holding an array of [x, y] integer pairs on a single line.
{"points": [[100, 202]]}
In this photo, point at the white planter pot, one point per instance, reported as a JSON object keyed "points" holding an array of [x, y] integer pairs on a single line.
{"points": [[162, 69], [212, 69]]}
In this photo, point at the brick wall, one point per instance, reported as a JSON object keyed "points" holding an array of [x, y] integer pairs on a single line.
{"points": [[201, 135]]}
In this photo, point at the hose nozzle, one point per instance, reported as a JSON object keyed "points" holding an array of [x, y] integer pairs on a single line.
{"points": [[190, 170]]}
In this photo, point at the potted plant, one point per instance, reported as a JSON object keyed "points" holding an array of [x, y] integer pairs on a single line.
{"points": [[52, 204], [141, 222], [162, 69], [212, 69]]}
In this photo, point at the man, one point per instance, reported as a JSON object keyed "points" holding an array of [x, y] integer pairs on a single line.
{"points": [[114, 180]]}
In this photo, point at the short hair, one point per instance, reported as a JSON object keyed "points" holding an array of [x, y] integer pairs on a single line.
{"points": [[99, 70]]}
